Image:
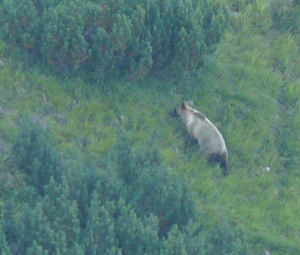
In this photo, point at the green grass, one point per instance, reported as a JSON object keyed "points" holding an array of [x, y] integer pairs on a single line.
{"points": [[249, 88]]}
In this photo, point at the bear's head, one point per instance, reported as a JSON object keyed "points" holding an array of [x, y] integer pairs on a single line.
{"points": [[182, 109]]}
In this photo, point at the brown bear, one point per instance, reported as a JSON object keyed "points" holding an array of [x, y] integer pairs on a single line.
{"points": [[208, 137]]}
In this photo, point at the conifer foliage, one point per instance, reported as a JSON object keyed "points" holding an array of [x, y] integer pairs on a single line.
{"points": [[132, 205], [115, 36], [35, 153]]}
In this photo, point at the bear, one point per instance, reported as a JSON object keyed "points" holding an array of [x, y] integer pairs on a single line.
{"points": [[202, 131]]}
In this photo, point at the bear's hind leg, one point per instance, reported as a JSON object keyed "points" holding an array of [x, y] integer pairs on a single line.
{"points": [[221, 159]]}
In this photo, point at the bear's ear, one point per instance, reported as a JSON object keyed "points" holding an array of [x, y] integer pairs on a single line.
{"points": [[190, 103]]}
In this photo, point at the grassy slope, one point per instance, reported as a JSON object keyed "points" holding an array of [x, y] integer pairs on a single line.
{"points": [[249, 89]]}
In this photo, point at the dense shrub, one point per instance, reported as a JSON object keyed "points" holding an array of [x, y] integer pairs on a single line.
{"points": [[119, 36], [134, 205], [159, 193], [35, 154]]}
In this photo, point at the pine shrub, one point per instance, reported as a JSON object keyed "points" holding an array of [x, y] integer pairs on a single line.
{"points": [[35, 154], [133, 205], [104, 38]]}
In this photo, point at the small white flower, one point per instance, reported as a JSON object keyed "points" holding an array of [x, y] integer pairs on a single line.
{"points": [[266, 169]]}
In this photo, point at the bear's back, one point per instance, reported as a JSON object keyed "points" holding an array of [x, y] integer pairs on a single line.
{"points": [[208, 136]]}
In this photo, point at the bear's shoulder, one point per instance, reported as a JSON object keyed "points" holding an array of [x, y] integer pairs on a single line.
{"points": [[199, 115]]}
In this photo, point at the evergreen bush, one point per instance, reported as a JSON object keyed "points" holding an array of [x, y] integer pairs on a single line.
{"points": [[35, 154], [146, 185], [140, 208], [115, 36]]}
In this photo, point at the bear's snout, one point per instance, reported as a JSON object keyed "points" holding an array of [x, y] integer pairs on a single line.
{"points": [[174, 113]]}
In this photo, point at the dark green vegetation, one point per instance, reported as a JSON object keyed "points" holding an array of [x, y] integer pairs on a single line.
{"points": [[103, 38], [101, 168]]}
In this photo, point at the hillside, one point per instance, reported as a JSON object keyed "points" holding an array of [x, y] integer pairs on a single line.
{"points": [[249, 88]]}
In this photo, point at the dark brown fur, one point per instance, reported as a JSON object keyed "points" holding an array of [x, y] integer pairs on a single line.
{"points": [[221, 159]]}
